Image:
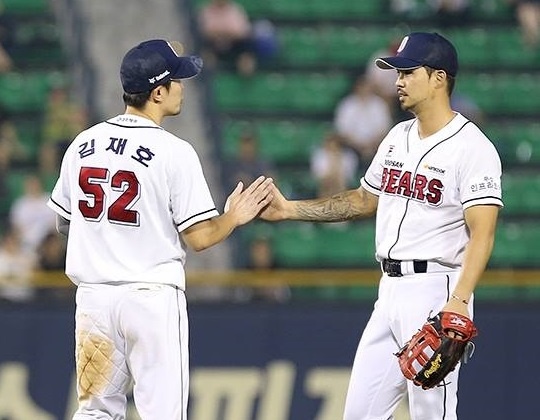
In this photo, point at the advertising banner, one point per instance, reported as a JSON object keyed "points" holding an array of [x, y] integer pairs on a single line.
{"points": [[262, 361]]}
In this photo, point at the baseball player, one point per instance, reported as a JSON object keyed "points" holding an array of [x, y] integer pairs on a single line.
{"points": [[127, 189], [435, 186]]}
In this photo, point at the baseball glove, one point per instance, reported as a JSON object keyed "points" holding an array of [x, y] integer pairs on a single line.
{"points": [[434, 351]]}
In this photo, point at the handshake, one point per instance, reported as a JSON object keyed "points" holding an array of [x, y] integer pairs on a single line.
{"points": [[260, 199]]}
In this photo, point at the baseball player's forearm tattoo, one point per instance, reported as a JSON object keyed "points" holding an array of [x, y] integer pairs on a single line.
{"points": [[343, 206]]}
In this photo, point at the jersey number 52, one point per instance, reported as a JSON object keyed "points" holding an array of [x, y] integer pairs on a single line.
{"points": [[91, 181]]}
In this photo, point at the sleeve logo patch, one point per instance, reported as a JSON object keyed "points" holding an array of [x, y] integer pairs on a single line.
{"points": [[484, 184]]}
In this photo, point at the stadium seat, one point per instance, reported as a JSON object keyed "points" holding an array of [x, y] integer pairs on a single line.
{"points": [[482, 47], [29, 133], [519, 93], [281, 141], [503, 93], [521, 193], [331, 45], [25, 7], [263, 9], [347, 245], [316, 92], [353, 45], [297, 182], [277, 142], [39, 57], [518, 142], [482, 89], [295, 246], [491, 9], [27, 92], [474, 46], [510, 50], [503, 141], [300, 46], [278, 92], [525, 139], [15, 183], [319, 8], [516, 245], [257, 93], [325, 246], [310, 10], [36, 44], [367, 9]]}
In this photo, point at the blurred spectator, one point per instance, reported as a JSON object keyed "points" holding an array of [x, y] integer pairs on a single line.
{"points": [[261, 256], [261, 259], [12, 151], [403, 7], [265, 40], [226, 34], [51, 262], [16, 267], [441, 12], [248, 165], [4, 195], [51, 252], [450, 12], [362, 119], [467, 107], [63, 120], [528, 17], [384, 82], [6, 63], [30, 215], [333, 166]]}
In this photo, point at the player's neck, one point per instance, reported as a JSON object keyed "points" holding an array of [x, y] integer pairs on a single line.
{"points": [[145, 113], [434, 119]]}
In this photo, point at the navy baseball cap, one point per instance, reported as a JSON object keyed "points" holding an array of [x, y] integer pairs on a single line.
{"points": [[155, 62], [423, 49]]}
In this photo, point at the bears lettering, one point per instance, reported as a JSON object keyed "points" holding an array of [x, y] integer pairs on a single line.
{"points": [[417, 187]]}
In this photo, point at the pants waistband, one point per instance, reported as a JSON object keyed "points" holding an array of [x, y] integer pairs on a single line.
{"points": [[398, 268], [129, 285]]}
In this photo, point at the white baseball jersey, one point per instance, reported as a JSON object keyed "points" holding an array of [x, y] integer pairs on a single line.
{"points": [[128, 188], [424, 185]]}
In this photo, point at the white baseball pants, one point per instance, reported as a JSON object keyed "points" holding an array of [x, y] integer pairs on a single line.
{"points": [[131, 333], [377, 384]]}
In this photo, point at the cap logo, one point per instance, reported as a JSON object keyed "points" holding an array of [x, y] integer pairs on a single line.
{"points": [[403, 43], [159, 77]]}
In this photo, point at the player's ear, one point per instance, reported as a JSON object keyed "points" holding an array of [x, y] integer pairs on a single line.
{"points": [[441, 76], [157, 94]]}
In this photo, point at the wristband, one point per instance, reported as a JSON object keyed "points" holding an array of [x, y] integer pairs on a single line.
{"points": [[466, 302]]}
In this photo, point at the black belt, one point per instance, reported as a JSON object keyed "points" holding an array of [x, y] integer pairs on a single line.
{"points": [[393, 267]]}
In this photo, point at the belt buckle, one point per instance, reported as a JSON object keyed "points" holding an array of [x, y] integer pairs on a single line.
{"points": [[392, 268]]}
